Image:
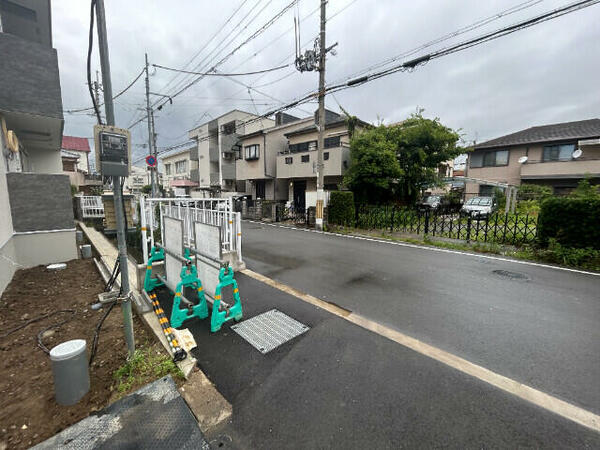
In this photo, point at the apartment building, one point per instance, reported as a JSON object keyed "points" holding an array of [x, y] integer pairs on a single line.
{"points": [[36, 223], [557, 155], [178, 168], [297, 163], [256, 166], [216, 150]]}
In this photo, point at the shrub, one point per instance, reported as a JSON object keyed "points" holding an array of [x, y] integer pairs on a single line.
{"points": [[571, 221], [340, 209]]}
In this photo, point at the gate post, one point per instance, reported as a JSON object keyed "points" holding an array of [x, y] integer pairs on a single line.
{"points": [[469, 227]]}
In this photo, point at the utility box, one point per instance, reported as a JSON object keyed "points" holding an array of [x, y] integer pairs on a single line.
{"points": [[110, 220], [113, 150]]}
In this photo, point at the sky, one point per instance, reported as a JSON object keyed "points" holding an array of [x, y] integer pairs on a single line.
{"points": [[544, 74]]}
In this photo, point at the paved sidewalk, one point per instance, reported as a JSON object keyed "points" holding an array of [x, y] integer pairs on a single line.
{"points": [[340, 386]]}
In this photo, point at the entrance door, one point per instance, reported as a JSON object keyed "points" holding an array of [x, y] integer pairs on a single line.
{"points": [[260, 189], [299, 195]]}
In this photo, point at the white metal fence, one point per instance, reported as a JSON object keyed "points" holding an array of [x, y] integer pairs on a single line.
{"points": [[217, 212], [91, 206]]}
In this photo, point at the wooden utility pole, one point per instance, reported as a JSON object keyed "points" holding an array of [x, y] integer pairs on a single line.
{"points": [[151, 141]]}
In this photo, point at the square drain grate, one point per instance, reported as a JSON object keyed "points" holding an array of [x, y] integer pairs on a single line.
{"points": [[269, 330]]}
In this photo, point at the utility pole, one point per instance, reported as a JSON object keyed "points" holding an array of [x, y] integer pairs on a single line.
{"points": [[321, 124], [150, 116], [117, 193], [154, 169]]}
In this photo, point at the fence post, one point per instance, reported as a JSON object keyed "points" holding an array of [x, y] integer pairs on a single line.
{"points": [[392, 219], [426, 227], [469, 227], [144, 226]]}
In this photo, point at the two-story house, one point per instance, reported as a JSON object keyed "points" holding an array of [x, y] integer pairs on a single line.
{"points": [[36, 212], [557, 155], [217, 148], [75, 153], [177, 168], [256, 167], [297, 164]]}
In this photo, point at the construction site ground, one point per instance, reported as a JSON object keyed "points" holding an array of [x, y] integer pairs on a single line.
{"points": [[28, 411]]}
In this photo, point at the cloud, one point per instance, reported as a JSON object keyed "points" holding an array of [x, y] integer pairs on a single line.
{"points": [[544, 74]]}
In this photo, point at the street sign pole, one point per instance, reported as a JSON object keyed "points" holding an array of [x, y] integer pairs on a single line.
{"points": [[117, 192]]}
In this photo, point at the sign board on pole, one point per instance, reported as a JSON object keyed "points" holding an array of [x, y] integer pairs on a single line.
{"points": [[151, 161]]}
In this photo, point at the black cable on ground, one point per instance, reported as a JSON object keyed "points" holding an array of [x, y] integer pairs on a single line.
{"points": [[37, 319], [97, 332], [40, 336]]}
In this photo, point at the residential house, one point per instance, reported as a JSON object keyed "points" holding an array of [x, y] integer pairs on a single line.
{"points": [[557, 155], [217, 148], [178, 167], [256, 166], [36, 223], [297, 163], [75, 156]]}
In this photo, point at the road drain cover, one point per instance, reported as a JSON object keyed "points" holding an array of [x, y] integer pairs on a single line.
{"points": [[510, 275], [269, 330]]}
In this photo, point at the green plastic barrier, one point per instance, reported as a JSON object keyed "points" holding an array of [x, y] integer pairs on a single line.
{"points": [[218, 317]]}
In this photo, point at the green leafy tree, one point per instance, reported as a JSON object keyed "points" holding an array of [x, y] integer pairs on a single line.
{"points": [[586, 190], [398, 161], [374, 167]]}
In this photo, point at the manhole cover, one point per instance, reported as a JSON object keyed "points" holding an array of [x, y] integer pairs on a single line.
{"points": [[511, 275], [269, 330]]}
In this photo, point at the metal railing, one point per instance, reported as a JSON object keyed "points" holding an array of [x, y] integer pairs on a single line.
{"points": [[91, 206], [213, 211]]}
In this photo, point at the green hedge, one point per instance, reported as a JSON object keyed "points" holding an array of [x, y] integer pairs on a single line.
{"points": [[340, 209], [572, 222]]}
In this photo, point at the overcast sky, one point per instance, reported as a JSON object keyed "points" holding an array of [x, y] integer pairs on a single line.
{"points": [[545, 74]]}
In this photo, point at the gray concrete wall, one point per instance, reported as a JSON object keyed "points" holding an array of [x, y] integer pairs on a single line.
{"points": [[40, 202], [44, 248], [29, 79]]}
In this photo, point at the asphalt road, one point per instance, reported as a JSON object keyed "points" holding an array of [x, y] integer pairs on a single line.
{"points": [[341, 386], [539, 326]]}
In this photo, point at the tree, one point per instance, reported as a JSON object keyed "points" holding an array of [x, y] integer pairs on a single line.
{"points": [[399, 160], [373, 167]]}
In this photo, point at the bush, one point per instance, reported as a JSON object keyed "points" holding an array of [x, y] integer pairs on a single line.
{"points": [[340, 209], [571, 221]]}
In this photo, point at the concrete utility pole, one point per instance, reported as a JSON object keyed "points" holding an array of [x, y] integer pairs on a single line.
{"points": [[321, 124], [117, 194], [150, 117], [154, 172]]}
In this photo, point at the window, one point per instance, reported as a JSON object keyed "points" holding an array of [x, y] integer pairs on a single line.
{"points": [[260, 189], [563, 152], [312, 146], [332, 142], [489, 159], [252, 151], [181, 166], [168, 169], [305, 158], [486, 190], [325, 156], [289, 160]]}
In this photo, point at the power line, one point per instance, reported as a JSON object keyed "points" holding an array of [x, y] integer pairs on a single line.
{"points": [[219, 74], [412, 64], [222, 27], [71, 111], [89, 61]]}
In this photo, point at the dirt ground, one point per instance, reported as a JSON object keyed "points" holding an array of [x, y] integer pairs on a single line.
{"points": [[28, 411]]}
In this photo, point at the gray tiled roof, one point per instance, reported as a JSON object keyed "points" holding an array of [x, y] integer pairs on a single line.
{"points": [[581, 129]]}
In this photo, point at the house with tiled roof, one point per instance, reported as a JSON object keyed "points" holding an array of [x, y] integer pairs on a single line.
{"points": [[73, 146], [557, 155]]}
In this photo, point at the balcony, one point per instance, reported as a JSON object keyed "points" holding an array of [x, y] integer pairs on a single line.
{"points": [[30, 96], [335, 165], [215, 180], [560, 169]]}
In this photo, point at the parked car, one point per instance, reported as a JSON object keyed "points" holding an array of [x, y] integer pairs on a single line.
{"points": [[430, 202], [480, 207]]}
